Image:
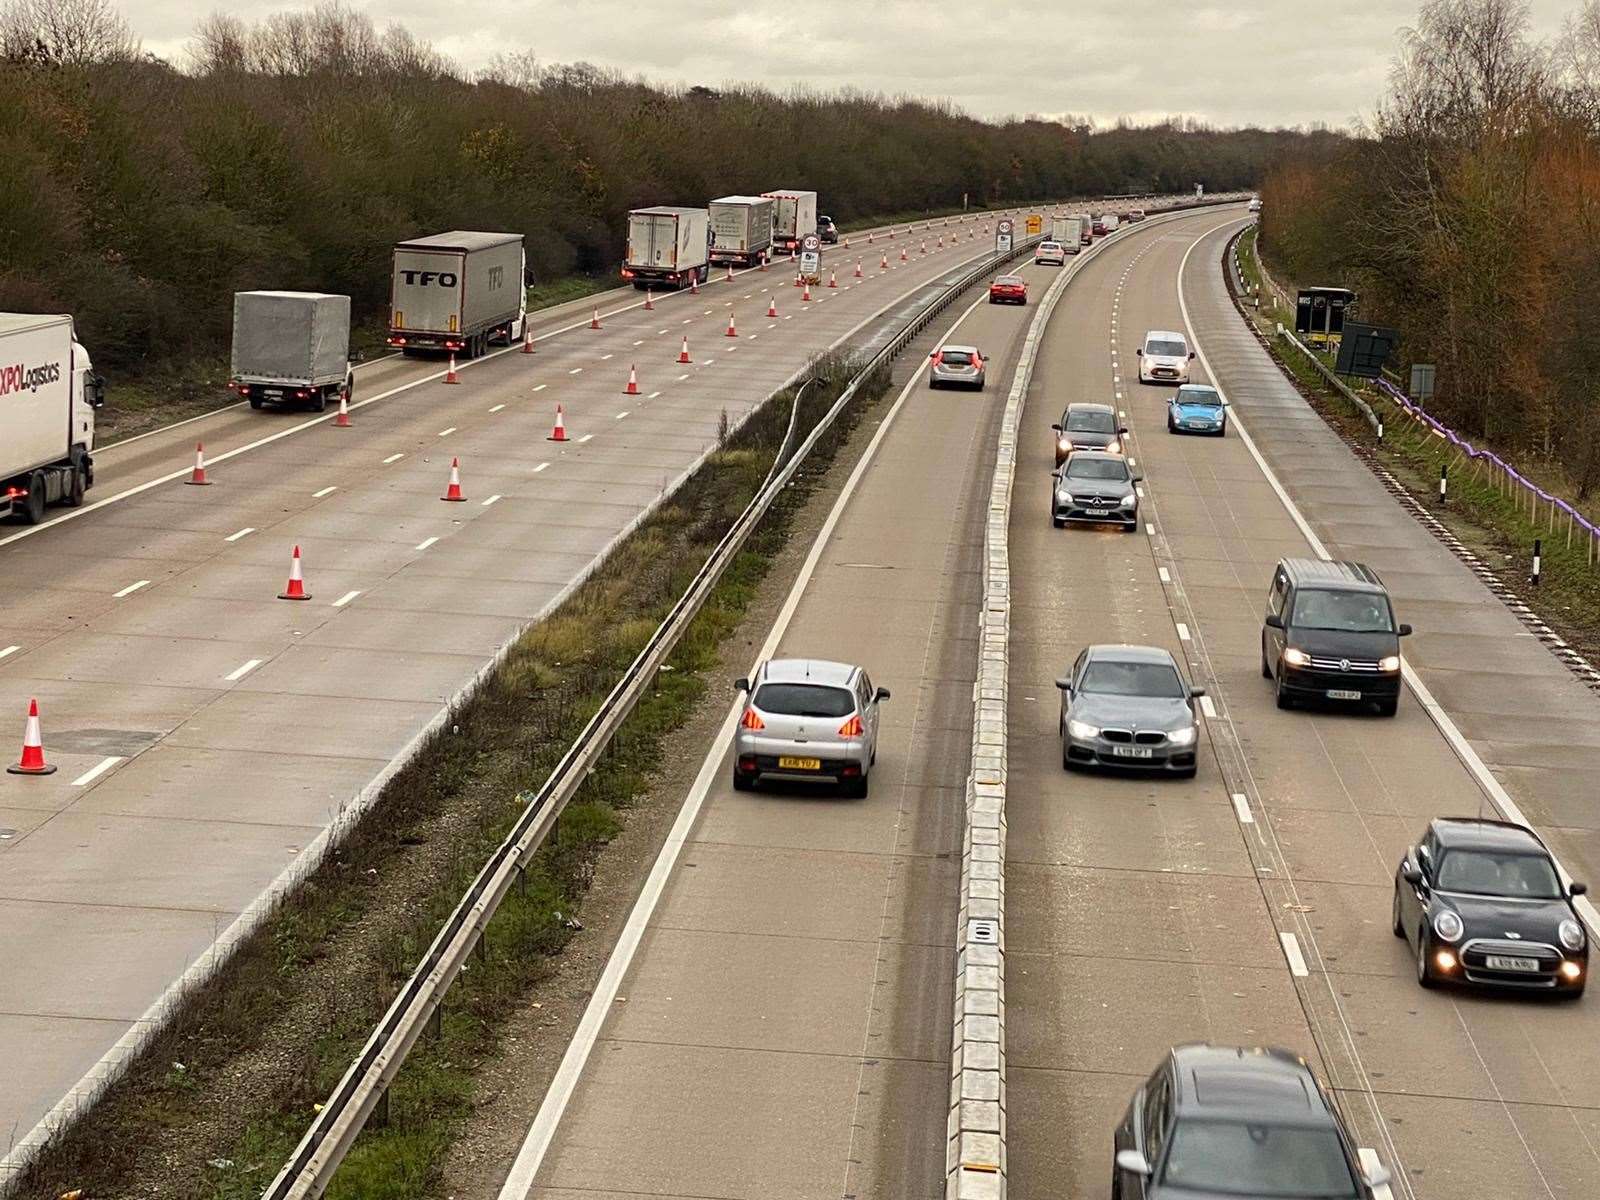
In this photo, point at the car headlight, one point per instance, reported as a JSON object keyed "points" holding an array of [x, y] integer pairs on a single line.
{"points": [[1182, 737], [1114, 446], [1296, 658], [1082, 729], [1390, 663], [1571, 934], [1064, 442], [1448, 926]]}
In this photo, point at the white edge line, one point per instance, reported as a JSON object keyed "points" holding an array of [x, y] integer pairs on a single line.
{"points": [[1369, 1163], [1241, 806], [1291, 951], [94, 772], [7, 651], [245, 532], [425, 543], [239, 673]]}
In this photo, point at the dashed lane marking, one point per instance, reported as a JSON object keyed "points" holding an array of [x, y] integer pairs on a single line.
{"points": [[130, 589], [245, 532], [239, 673], [346, 598], [94, 772]]}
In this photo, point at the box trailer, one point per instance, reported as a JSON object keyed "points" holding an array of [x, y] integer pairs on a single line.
{"points": [[291, 348], [1085, 230], [794, 218], [668, 247], [48, 394], [458, 291], [1067, 231], [741, 229]]}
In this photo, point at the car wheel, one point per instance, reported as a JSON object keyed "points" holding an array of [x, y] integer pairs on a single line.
{"points": [[1571, 994], [932, 383], [1389, 707], [1394, 913], [856, 789], [1425, 975], [1057, 521], [1190, 773], [1171, 428], [75, 487], [1283, 697], [741, 781]]}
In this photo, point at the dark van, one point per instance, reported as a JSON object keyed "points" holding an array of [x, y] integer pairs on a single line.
{"points": [[1330, 634]]}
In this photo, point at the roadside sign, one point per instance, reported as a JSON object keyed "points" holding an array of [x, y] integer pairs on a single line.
{"points": [[1422, 375], [1002, 236], [810, 255], [1035, 224]]}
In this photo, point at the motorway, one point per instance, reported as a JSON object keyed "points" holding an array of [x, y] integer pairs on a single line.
{"points": [[1251, 905], [208, 734]]}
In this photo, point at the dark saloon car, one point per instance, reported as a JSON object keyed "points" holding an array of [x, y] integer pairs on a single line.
{"points": [[1482, 902], [1330, 635], [1088, 427], [1127, 706], [1217, 1122]]}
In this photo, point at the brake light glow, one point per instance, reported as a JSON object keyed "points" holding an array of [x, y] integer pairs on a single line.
{"points": [[852, 728], [752, 720], [938, 357]]}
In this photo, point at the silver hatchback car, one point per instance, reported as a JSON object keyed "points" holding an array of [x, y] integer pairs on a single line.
{"points": [[807, 720], [957, 366]]}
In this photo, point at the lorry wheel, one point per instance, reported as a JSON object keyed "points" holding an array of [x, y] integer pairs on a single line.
{"points": [[75, 487], [257, 403], [33, 506], [319, 401]]}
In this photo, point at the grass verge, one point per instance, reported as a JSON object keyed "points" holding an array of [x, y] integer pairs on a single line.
{"points": [[217, 1102]]}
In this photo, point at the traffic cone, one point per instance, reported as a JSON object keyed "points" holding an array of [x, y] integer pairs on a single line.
{"points": [[806, 294], [924, 245], [649, 304], [683, 355], [869, 237], [763, 260], [883, 262], [594, 321], [858, 268], [198, 478], [32, 761], [772, 305], [730, 273], [559, 433], [891, 233], [296, 589], [342, 421], [732, 332], [527, 338], [797, 279], [902, 254], [450, 375], [694, 284], [453, 492], [633, 383], [833, 278]]}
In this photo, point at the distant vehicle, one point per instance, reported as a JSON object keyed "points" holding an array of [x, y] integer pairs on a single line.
{"points": [[1127, 706], [1254, 205], [1097, 226], [1482, 902], [810, 721], [1219, 1122], [1086, 231], [668, 247], [48, 394], [1329, 634], [741, 229], [1110, 221], [291, 349], [1088, 427], [827, 231], [957, 366], [458, 292], [1064, 230], [1050, 254], [1008, 289], [794, 218], [1197, 408], [1136, 214], [1095, 487], [1164, 357]]}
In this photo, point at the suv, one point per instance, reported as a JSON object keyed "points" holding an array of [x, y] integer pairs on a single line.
{"points": [[1095, 487], [827, 231], [1330, 634], [807, 720], [1220, 1121]]}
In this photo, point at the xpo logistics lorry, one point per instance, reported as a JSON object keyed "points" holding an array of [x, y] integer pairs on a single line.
{"points": [[458, 291], [794, 218], [291, 348], [668, 247], [48, 394], [741, 229]]}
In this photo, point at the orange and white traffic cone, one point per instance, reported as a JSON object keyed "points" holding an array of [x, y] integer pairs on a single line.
{"points": [[296, 589], [772, 305], [527, 338], [633, 382], [453, 492], [683, 355], [869, 237], [924, 245], [450, 375], [902, 254], [198, 476], [883, 262], [32, 761], [858, 268], [559, 433], [941, 241], [732, 332], [806, 294], [729, 276], [649, 304], [833, 278], [342, 421], [594, 321], [694, 284], [763, 260], [845, 245], [891, 233], [797, 280]]}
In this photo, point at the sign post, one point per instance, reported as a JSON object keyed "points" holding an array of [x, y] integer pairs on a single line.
{"points": [[1002, 236]]}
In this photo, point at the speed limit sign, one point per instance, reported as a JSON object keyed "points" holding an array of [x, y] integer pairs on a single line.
{"points": [[1002, 236], [810, 255]]}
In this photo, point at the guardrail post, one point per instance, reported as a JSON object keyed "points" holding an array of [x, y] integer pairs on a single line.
{"points": [[380, 1111], [436, 1021], [1444, 484]]}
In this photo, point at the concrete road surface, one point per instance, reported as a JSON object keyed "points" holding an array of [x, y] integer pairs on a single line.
{"points": [[1251, 905]]}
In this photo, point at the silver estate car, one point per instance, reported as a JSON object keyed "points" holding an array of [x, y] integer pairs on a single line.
{"points": [[807, 720], [1127, 706], [956, 366]]}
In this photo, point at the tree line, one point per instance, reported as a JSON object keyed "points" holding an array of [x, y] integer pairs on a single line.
{"points": [[292, 153], [1467, 215]]}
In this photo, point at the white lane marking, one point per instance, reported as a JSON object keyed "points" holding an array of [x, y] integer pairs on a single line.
{"points": [[1291, 951], [659, 332], [239, 673], [1183, 632], [1166, 575], [130, 589], [605, 357], [446, 432], [346, 598], [708, 362], [652, 395], [1207, 707], [540, 467], [541, 387], [327, 491], [688, 321], [491, 500], [497, 408], [1241, 805], [393, 458], [245, 532], [682, 377], [640, 342], [575, 371], [94, 772], [1139, 488], [8, 651], [425, 543], [585, 438], [1150, 529], [620, 415], [1132, 462], [1370, 1163], [519, 1181]]}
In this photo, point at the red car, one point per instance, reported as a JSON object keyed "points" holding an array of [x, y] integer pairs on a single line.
{"points": [[1008, 289]]}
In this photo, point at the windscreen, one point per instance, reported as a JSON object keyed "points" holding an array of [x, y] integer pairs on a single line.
{"points": [[1090, 421], [1283, 1162], [1099, 469], [1133, 679], [1488, 873], [955, 358], [1010, 280], [1166, 349], [805, 700], [1347, 612], [1199, 397]]}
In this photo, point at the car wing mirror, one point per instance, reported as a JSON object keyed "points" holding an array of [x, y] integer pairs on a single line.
{"points": [[1191, 355], [1057, 428], [1132, 1160], [1138, 352], [742, 685], [1122, 429], [1064, 684], [1138, 477], [1412, 874], [881, 694], [1195, 693], [1577, 888], [1404, 630], [1274, 621]]}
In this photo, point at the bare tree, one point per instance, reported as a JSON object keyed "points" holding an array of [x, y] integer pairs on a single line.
{"points": [[513, 68], [67, 33]]}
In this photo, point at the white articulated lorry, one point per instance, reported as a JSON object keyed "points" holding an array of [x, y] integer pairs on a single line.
{"points": [[291, 348], [48, 394], [458, 292], [794, 218], [741, 229], [668, 247]]}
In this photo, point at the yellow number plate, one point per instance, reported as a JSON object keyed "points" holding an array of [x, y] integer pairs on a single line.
{"points": [[800, 764]]}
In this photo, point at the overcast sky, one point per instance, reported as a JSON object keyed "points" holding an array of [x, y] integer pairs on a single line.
{"points": [[1267, 62]]}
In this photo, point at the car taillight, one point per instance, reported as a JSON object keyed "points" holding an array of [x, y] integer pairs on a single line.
{"points": [[752, 720], [938, 357], [851, 728]]}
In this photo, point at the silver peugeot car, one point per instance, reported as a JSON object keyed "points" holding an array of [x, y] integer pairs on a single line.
{"points": [[1127, 706], [956, 366], [807, 720]]}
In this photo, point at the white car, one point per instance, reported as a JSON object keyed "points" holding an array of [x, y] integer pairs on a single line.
{"points": [[1051, 254], [1255, 204], [1164, 357]]}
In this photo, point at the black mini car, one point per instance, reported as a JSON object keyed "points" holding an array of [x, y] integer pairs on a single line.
{"points": [[1482, 902]]}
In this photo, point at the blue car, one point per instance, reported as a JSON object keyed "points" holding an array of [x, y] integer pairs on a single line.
{"points": [[1195, 408]]}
